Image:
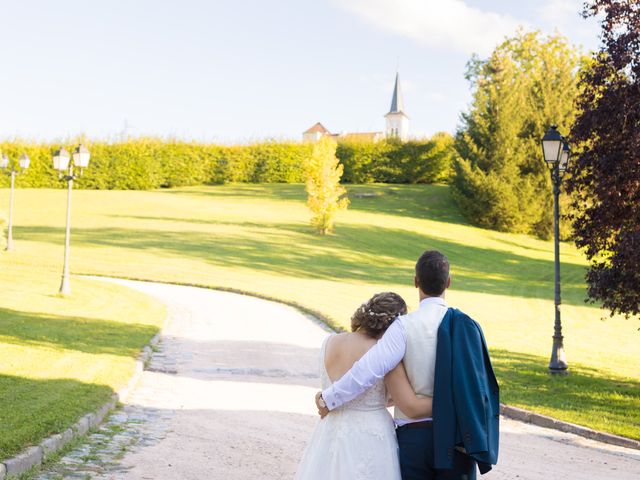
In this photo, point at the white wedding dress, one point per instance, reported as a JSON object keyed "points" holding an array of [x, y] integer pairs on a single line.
{"points": [[354, 442]]}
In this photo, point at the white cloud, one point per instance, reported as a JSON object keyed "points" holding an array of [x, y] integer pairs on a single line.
{"points": [[448, 24], [555, 11], [564, 16]]}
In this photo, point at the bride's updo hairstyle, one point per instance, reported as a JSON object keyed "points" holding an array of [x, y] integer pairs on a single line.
{"points": [[374, 316]]}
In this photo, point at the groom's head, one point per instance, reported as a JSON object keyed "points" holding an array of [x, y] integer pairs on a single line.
{"points": [[432, 274]]}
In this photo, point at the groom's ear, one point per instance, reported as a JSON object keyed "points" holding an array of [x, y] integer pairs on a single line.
{"points": [[448, 282], [415, 281]]}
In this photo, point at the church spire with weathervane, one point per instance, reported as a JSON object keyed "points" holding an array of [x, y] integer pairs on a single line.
{"points": [[397, 120]]}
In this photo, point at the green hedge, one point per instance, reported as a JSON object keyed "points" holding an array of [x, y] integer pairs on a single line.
{"points": [[148, 163], [426, 161]]}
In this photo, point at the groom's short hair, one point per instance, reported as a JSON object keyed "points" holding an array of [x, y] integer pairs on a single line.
{"points": [[432, 272]]}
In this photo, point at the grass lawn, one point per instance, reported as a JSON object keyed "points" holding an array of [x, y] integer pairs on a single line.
{"points": [[62, 357], [256, 238]]}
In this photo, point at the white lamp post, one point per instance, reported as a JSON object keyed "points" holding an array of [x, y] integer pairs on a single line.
{"points": [[62, 163], [23, 162], [556, 153]]}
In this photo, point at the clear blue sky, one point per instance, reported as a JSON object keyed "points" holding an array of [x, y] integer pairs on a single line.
{"points": [[239, 70]]}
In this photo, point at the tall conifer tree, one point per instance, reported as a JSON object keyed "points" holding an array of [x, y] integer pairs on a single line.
{"points": [[528, 83]]}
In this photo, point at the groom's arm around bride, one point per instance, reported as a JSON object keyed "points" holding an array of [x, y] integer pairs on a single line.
{"points": [[446, 357]]}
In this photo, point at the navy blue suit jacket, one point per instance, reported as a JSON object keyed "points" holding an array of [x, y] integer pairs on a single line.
{"points": [[466, 404]]}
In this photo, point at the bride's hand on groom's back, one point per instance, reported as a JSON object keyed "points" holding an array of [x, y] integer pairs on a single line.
{"points": [[323, 411]]}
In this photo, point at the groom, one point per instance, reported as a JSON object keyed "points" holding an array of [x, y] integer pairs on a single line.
{"points": [[463, 432]]}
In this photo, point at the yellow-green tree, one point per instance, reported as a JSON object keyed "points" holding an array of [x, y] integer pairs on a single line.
{"points": [[527, 84], [325, 194]]}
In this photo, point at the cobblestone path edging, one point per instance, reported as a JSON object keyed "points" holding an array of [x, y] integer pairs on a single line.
{"points": [[34, 456]]}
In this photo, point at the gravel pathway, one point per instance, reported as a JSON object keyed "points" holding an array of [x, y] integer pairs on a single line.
{"points": [[229, 395]]}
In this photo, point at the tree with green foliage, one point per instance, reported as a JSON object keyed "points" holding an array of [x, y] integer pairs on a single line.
{"points": [[528, 83], [606, 175], [325, 194], [441, 156], [392, 161]]}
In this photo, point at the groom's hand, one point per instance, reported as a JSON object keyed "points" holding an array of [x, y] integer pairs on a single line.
{"points": [[323, 411]]}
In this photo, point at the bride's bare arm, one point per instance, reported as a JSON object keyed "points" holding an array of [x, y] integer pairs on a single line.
{"points": [[404, 397]]}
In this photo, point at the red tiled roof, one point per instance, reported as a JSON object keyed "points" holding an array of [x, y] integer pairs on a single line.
{"points": [[317, 128]]}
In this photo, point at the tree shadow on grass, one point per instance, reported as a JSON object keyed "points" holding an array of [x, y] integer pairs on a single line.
{"points": [[361, 253], [586, 395], [32, 409], [87, 335], [429, 202], [264, 191]]}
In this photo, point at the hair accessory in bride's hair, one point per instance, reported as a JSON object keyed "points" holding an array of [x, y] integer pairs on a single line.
{"points": [[375, 315]]}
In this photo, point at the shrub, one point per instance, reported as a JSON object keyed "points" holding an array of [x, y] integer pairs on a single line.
{"points": [[279, 162], [391, 161], [325, 194]]}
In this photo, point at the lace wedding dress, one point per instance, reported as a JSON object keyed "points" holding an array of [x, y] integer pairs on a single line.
{"points": [[354, 442]]}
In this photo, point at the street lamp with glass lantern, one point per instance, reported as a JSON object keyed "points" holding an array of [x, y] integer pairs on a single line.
{"points": [[62, 163], [23, 163], [556, 153]]}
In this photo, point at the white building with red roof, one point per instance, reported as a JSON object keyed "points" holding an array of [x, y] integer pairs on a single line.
{"points": [[397, 124]]}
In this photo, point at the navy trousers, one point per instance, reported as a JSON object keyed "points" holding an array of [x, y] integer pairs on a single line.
{"points": [[416, 457]]}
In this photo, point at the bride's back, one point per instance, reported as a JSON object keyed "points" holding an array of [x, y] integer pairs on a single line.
{"points": [[343, 350], [357, 439]]}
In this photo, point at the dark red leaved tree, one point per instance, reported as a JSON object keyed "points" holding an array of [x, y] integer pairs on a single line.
{"points": [[605, 182]]}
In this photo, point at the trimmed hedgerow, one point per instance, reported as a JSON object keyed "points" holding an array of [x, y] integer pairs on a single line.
{"points": [[416, 161], [148, 163]]}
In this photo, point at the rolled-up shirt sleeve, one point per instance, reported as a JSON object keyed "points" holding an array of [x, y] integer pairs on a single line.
{"points": [[383, 357]]}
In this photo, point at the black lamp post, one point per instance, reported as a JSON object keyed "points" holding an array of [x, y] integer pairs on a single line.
{"points": [[62, 163], [556, 153], [23, 162]]}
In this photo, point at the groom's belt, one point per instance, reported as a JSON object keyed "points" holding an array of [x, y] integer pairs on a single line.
{"points": [[425, 424]]}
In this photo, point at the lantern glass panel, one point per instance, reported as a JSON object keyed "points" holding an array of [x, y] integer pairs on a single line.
{"points": [[552, 143], [24, 161], [61, 160], [81, 157], [551, 150], [564, 160]]}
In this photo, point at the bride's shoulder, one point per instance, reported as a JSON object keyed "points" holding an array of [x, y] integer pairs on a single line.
{"points": [[347, 340], [336, 338]]}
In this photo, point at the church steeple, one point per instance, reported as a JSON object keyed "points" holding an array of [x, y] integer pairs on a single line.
{"points": [[397, 120], [397, 104]]}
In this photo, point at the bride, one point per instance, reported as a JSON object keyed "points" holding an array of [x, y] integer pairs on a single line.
{"points": [[358, 440]]}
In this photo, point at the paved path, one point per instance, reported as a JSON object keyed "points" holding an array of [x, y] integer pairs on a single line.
{"points": [[229, 395]]}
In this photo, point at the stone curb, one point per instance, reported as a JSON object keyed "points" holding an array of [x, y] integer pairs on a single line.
{"points": [[549, 422], [24, 461], [35, 455]]}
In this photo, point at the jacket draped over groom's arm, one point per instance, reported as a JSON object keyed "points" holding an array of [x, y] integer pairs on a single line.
{"points": [[466, 405]]}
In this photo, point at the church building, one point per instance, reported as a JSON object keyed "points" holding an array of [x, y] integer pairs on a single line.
{"points": [[397, 124]]}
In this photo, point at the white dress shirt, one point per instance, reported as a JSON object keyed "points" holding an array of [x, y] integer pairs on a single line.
{"points": [[383, 357]]}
